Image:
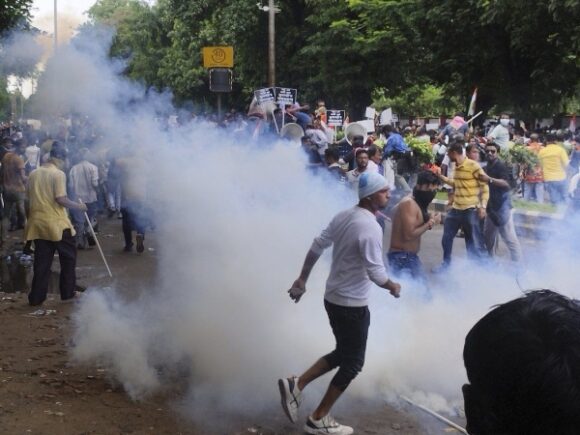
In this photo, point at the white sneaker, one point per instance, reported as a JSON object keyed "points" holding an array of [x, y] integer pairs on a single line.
{"points": [[291, 397], [326, 425]]}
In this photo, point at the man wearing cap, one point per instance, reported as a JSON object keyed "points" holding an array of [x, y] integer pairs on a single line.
{"points": [[455, 127], [356, 264], [49, 227]]}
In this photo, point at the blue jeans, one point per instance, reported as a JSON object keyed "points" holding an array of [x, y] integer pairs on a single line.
{"points": [[469, 220], [534, 191], [557, 191], [81, 225], [405, 262]]}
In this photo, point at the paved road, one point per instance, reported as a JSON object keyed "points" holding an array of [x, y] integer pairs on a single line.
{"points": [[432, 254]]}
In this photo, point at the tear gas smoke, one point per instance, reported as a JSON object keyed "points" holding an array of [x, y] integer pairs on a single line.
{"points": [[19, 54], [234, 221]]}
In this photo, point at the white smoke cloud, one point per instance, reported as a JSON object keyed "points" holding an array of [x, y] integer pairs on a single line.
{"points": [[234, 222], [19, 54]]}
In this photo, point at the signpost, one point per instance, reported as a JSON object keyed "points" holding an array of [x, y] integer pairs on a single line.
{"points": [[265, 95], [286, 96], [279, 96], [219, 61], [218, 57], [335, 118]]}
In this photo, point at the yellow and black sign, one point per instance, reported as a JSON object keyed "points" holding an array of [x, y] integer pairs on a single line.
{"points": [[218, 57]]}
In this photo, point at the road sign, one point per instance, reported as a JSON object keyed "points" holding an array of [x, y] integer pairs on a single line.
{"points": [[286, 95], [335, 118], [220, 80], [218, 57], [265, 95]]}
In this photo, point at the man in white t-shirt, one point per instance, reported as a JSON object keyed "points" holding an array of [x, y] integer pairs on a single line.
{"points": [[500, 133], [357, 263]]}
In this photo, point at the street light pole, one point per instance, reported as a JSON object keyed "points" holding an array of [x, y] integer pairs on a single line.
{"points": [[55, 26], [271, 44]]}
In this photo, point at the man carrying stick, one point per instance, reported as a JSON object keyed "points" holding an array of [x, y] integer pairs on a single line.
{"points": [[50, 228], [357, 263]]}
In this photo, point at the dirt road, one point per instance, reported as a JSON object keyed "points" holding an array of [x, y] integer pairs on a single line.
{"points": [[41, 392]]}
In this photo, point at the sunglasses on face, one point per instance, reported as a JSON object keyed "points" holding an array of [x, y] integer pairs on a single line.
{"points": [[490, 151]]}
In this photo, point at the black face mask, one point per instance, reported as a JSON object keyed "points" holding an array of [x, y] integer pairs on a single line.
{"points": [[423, 198]]}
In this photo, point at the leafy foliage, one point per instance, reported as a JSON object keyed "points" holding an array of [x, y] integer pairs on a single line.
{"points": [[421, 56], [521, 155], [425, 100], [13, 13], [422, 149]]}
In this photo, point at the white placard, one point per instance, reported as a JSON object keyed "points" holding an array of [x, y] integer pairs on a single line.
{"points": [[370, 113], [386, 117], [368, 124]]}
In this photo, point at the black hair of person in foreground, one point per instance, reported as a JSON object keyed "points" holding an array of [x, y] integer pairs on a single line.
{"points": [[523, 364]]}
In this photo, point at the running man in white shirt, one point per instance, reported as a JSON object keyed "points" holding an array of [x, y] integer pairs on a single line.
{"points": [[357, 263]]}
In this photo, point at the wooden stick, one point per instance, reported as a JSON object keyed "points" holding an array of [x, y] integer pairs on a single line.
{"points": [[474, 116], [97, 241], [434, 414]]}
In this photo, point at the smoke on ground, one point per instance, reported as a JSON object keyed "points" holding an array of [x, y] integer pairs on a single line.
{"points": [[234, 220]]}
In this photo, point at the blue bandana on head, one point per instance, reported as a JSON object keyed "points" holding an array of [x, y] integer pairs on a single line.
{"points": [[369, 183]]}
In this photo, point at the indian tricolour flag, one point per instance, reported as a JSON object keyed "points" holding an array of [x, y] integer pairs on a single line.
{"points": [[471, 110]]}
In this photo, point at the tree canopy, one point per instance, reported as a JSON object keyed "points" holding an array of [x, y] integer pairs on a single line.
{"points": [[523, 55], [13, 13]]}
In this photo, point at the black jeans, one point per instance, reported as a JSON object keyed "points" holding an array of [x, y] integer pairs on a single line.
{"points": [[134, 219], [350, 326], [43, 255]]}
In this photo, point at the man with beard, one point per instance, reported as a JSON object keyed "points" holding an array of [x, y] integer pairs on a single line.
{"points": [[499, 208], [356, 264], [362, 162], [410, 221]]}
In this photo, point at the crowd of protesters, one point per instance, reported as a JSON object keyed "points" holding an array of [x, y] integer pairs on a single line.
{"points": [[482, 171], [56, 185], [99, 179]]}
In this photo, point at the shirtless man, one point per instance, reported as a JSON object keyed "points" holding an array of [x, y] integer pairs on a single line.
{"points": [[410, 221]]}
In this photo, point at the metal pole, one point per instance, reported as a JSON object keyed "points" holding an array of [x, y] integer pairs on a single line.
{"points": [[219, 106], [55, 26], [271, 44], [437, 416]]}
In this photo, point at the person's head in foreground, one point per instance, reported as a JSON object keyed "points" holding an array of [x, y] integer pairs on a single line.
{"points": [[523, 364]]}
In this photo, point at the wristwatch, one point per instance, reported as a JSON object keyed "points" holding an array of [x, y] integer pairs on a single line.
{"points": [[490, 181]]}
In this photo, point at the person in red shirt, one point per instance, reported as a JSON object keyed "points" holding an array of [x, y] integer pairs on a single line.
{"points": [[533, 175]]}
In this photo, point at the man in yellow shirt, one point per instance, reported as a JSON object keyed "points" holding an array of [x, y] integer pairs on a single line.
{"points": [[554, 161], [50, 228], [469, 203]]}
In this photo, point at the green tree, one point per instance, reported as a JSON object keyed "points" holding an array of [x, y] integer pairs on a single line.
{"points": [[522, 54], [418, 100], [13, 13]]}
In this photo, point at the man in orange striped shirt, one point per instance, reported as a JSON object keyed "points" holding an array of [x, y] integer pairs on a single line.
{"points": [[471, 193]]}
